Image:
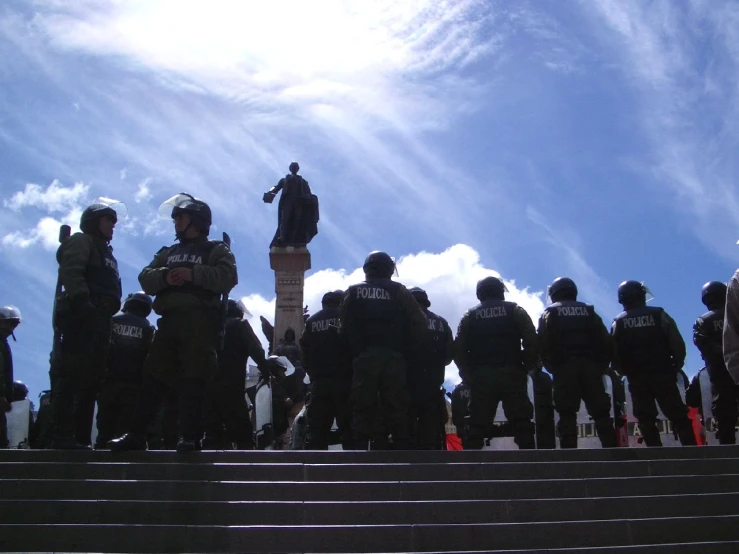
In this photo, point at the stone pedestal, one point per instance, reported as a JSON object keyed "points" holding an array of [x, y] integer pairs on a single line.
{"points": [[289, 265]]}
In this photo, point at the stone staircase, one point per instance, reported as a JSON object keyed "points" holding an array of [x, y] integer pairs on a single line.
{"points": [[587, 501]]}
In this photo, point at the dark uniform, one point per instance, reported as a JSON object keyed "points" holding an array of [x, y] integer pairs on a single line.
{"points": [[328, 363], [226, 413], [425, 382], [576, 349], [183, 353], [130, 341], [386, 332], [708, 337], [650, 352], [10, 318], [88, 273], [494, 349]]}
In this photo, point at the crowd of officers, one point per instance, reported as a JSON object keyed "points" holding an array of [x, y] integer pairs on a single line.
{"points": [[375, 353]]}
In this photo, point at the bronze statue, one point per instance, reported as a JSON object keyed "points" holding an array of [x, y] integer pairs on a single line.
{"points": [[297, 210]]}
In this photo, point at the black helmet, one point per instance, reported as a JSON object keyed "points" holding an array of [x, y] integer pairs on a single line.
{"points": [[378, 264], [491, 287], [20, 391], [562, 287], [632, 291], [234, 309], [90, 218], [421, 297], [294, 168], [11, 313], [713, 292], [199, 212], [332, 298], [138, 302]]}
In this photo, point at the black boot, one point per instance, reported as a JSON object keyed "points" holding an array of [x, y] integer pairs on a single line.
{"points": [[129, 441], [184, 445], [606, 433]]}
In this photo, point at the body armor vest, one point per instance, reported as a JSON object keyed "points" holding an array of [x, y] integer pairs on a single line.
{"points": [[130, 339], [327, 347], [8, 365], [190, 254], [377, 313], [103, 280], [641, 343], [494, 337], [712, 326], [575, 334]]}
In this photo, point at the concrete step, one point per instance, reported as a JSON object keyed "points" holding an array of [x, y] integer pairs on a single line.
{"points": [[155, 512], [92, 489], [340, 457], [404, 538], [194, 470]]}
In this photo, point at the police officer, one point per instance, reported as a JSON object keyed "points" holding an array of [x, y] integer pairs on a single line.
{"points": [[130, 341], [10, 318], [425, 382], [494, 349], [386, 332], [187, 280], [708, 336], [88, 273], [650, 352], [576, 349], [226, 414], [328, 363]]}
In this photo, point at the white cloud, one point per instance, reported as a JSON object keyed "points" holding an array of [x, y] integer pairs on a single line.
{"points": [[55, 198], [450, 279], [143, 193], [45, 233], [124, 173]]}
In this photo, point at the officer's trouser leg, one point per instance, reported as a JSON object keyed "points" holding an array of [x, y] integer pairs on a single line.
{"points": [[483, 405], [673, 406], [153, 392], [598, 404], [107, 413], [517, 406], [429, 418], [192, 398], [214, 416], [341, 391], [395, 398], [236, 416], [364, 399], [567, 395], [645, 408], [725, 400], [3, 430], [319, 415]]}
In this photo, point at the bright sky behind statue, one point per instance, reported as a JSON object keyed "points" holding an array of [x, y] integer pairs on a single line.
{"points": [[591, 139]]}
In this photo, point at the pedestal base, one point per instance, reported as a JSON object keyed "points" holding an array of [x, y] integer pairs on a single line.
{"points": [[289, 265]]}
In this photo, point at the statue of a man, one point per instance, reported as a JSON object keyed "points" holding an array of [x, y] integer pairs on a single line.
{"points": [[297, 210]]}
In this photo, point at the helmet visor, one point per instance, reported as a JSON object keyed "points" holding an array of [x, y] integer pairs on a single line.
{"points": [[181, 200], [242, 307], [103, 202], [647, 293]]}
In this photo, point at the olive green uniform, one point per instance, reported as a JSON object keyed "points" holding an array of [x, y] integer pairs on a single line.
{"points": [[576, 348], [88, 273], [495, 361], [183, 352], [386, 331]]}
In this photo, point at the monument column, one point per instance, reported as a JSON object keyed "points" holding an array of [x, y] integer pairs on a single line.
{"points": [[289, 264]]}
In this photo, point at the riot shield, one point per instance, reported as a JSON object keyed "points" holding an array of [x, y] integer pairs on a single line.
{"points": [[19, 423], [263, 431]]}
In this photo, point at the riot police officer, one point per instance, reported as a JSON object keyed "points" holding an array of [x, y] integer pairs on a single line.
{"points": [[226, 414], [10, 318], [187, 280], [576, 349], [88, 274], [386, 332], [425, 382], [649, 351], [707, 336], [328, 363], [494, 349], [130, 341]]}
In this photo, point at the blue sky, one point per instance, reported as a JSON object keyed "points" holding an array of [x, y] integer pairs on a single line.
{"points": [[593, 139]]}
